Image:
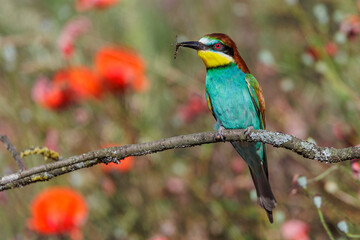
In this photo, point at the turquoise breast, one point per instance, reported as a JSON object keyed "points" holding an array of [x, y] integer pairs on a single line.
{"points": [[230, 98]]}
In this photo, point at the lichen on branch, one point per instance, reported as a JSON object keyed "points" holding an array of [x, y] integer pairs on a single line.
{"points": [[115, 154]]}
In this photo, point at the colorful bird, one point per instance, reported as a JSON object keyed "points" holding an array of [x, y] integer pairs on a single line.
{"points": [[236, 101]]}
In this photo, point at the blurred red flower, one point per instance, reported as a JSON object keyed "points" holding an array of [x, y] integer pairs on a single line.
{"points": [[81, 81], [82, 5], [331, 48], [72, 30], [295, 230], [124, 166], [121, 68], [57, 211], [68, 86], [314, 53], [195, 106], [351, 26], [50, 96]]}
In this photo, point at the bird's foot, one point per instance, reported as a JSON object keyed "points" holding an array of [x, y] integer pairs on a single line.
{"points": [[220, 134], [247, 132]]}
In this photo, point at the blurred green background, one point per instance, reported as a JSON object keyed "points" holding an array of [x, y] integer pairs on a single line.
{"points": [[305, 55]]}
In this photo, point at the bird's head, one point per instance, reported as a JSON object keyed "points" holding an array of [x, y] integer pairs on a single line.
{"points": [[216, 50]]}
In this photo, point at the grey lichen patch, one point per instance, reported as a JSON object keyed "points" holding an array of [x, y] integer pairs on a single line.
{"points": [[280, 139], [10, 177], [79, 165], [257, 136], [322, 155], [307, 150], [276, 139], [326, 153], [307, 146], [48, 176]]}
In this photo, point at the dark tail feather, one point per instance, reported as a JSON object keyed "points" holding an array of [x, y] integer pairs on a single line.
{"points": [[266, 198], [258, 170]]}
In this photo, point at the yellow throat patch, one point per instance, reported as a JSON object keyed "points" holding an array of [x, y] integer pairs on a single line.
{"points": [[214, 59]]}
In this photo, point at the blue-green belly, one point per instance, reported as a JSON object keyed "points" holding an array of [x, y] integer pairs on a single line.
{"points": [[234, 109], [230, 98]]}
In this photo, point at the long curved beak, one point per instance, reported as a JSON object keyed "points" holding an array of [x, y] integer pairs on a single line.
{"points": [[192, 44]]}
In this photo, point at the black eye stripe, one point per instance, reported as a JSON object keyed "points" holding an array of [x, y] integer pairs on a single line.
{"points": [[223, 48]]}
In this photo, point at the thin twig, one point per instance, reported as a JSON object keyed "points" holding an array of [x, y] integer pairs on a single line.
{"points": [[325, 225], [114, 154], [15, 154], [323, 174], [350, 235]]}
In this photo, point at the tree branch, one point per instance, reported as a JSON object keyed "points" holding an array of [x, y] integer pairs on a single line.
{"points": [[114, 154], [15, 154]]}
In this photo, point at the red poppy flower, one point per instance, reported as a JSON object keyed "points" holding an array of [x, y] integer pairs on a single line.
{"points": [[124, 166], [82, 5], [121, 68], [50, 96], [58, 210], [68, 86], [81, 81]]}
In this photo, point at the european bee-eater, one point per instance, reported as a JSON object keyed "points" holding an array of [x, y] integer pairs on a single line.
{"points": [[236, 101]]}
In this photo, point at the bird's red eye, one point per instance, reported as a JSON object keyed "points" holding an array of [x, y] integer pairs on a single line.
{"points": [[217, 45]]}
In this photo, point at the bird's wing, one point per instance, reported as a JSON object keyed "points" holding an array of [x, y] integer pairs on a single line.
{"points": [[259, 103], [209, 104], [258, 100]]}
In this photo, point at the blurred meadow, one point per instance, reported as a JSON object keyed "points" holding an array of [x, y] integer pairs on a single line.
{"points": [[80, 75]]}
